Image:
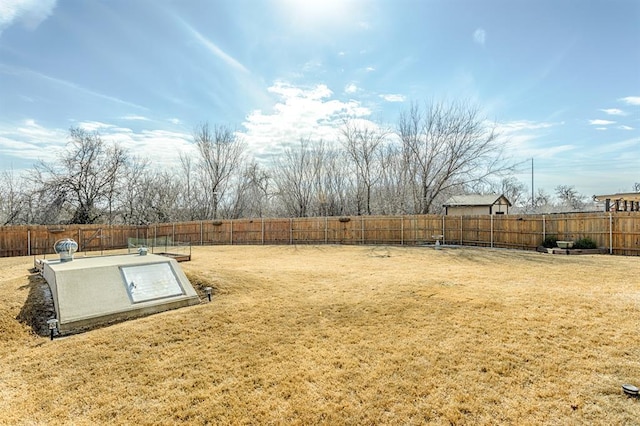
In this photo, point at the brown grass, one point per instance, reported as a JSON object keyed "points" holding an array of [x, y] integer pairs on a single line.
{"points": [[345, 335]]}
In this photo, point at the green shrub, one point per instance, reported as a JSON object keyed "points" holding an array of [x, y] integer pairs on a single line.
{"points": [[585, 243], [550, 241]]}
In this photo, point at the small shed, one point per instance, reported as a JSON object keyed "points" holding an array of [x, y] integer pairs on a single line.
{"points": [[626, 202], [465, 205]]}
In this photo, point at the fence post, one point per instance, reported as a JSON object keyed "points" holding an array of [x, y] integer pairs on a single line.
{"points": [[201, 233], [326, 230], [461, 229], [290, 231], [401, 230], [173, 233], [231, 233], [491, 216], [444, 237], [610, 234], [362, 230], [28, 242], [544, 228], [262, 230]]}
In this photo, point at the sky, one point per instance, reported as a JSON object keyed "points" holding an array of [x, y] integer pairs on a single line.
{"points": [[559, 79]]}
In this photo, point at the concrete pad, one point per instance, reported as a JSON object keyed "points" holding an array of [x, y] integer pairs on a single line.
{"points": [[93, 291]]}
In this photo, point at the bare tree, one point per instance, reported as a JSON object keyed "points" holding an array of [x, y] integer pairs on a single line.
{"points": [[447, 147], [362, 143], [83, 178], [395, 186], [542, 203], [295, 177], [132, 199], [251, 195], [569, 197], [13, 199], [514, 190], [221, 155], [334, 186], [194, 202]]}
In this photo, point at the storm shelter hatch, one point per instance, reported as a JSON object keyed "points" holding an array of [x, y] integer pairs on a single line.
{"points": [[93, 291]]}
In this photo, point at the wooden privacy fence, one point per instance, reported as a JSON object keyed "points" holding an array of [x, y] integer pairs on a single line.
{"points": [[618, 232]]}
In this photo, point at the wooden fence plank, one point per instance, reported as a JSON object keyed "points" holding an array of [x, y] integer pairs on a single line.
{"points": [[618, 230]]}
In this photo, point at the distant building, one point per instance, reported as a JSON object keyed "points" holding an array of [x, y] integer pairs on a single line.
{"points": [[466, 205], [622, 202]]}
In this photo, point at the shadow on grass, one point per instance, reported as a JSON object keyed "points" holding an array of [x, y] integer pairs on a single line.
{"points": [[38, 307]]}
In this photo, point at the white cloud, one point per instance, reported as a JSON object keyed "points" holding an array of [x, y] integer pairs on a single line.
{"points": [[30, 13], [160, 147], [134, 117], [525, 139], [27, 142], [631, 100], [393, 97], [10, 70], [299, 113], [601, 128], [613, 111], [370, 69], [213, 48], [312, 65], [623, 127], [351, 88], [601, 122], [620, 148], [511, 127], [175, 121], [94, 126], [30, 141], [480, 36]]}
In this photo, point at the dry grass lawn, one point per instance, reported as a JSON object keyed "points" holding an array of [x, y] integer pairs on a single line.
{"points": [[345, 335]]}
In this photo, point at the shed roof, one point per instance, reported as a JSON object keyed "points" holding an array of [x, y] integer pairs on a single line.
{"points": [[475, 200], [628, 196]]}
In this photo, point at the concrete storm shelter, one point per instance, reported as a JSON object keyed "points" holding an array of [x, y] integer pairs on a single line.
{"points": [[92, 291]]}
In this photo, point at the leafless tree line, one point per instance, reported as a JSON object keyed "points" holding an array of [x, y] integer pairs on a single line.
{"points": [[436, 151]]}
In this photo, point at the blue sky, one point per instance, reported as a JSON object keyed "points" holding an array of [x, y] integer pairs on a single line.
{"points": [[560, 78]]}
